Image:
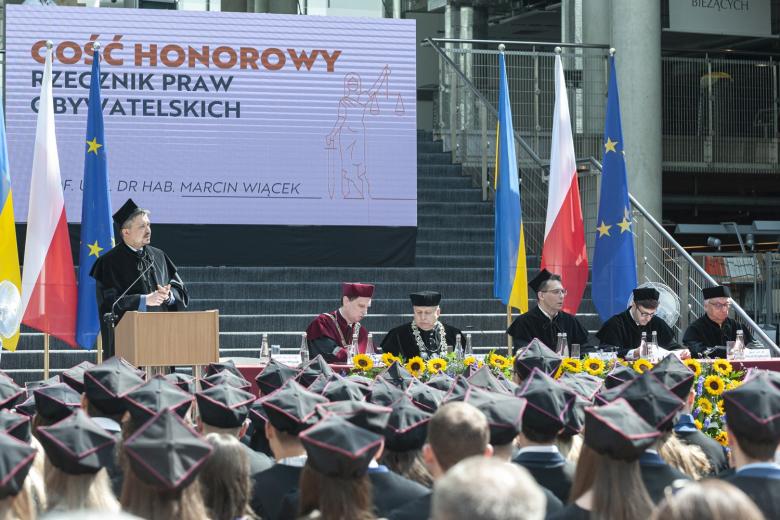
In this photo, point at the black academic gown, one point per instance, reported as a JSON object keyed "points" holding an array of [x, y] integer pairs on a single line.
{"points": [[271, 486], [704, 334], [623, 332], [657, 475], [400, 341], [764, 490], [535, 324], [550, 470], [114, 273]]}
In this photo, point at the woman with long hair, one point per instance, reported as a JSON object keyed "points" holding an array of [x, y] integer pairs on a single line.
{"points": [[405, 435], [608, 483], [16, 459], [224, 480]]}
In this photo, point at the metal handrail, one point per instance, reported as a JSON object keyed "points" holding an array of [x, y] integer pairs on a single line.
{"points": [[520, 42]]}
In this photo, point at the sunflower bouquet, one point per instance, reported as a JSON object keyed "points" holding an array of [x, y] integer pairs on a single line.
{"points": [[711, 380]]}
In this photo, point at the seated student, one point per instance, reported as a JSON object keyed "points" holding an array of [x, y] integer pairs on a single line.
{"points": [[625, 330], [426, 336], [330, 333], [547, 319], [15, 464], [405, 435], [708, 335], [707, 499], [753, 410], [224, 480]]}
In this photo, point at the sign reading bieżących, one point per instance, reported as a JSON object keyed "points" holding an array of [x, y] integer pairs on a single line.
{"points": [[733, 17], [225, 118]]}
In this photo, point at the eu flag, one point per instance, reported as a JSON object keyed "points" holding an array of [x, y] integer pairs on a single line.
{"points": [[614, 261], [96, 225], [510, 280]]}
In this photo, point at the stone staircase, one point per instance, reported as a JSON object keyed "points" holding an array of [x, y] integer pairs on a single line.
{"points": [[454, 256]]}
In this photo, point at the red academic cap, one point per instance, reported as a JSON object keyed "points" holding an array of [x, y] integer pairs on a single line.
{"points": [[356, 290]]}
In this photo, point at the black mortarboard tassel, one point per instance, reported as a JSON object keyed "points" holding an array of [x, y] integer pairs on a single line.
{"points": [[425, 299], [74, 376], [224, 406], [150, 398], [77, 445], [105, 384], [370, 416], [16, 458], [292, 408], [536, 355], [10, 393], [55, 402], [537, 281], [645, 293], [15, 424], [719, 291], [504, 413], [617, 431], [226, 377], [753, 409], [655, 403], [123, 213], [546, 403], [407, 426], [273, 376], [675, 375], [339, 449]]}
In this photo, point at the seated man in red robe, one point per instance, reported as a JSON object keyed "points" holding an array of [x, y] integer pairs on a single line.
{"points": [[331, 333]]}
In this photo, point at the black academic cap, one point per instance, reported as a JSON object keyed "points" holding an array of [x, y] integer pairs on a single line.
{"points": [[27, 407], [426, 397], [510, 385], [618, 431], [224, 406], [441, 381], [655, 403], [504, 413], [226, 377], [536, 355], [339, 449], [407, 426], [384, 393], [425, 299], [396, 374], [55, 402], [675, 375], [753, 409], [10, 393], [16, 458], [370, 416], [105, 384], [32, 385], [460, 386], [343, 390], [74, 376], [184, 382], [645, 293], [292, 408], [273, 376], [123, 213], [546, 403], [619, 375], [149, 398], [257, 414], [15, 424], [583, 384], [537, 281], [719, 291], [361, 380], [77, 445], [321, 381], [312, 369], [484, 378], [229, 365], [165, 452], [574, 416]]}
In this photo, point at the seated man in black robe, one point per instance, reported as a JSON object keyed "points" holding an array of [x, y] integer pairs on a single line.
{"points": [[625, 330], [426, 336], [547, 319], [135, 276], [707, 336]]}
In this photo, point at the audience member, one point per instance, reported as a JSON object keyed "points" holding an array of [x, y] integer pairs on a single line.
{"points": [[224, 479], [709, 499]]}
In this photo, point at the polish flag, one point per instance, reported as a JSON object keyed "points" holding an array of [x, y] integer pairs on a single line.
{"points": [[49, 279], [564, 250]]}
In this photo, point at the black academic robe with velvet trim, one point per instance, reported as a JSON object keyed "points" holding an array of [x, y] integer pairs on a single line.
{"points": [[763, 491], [704, 333], [623, 332], [657, 475], [400, 341], [550, 470], [270, 487], [535, 324]]}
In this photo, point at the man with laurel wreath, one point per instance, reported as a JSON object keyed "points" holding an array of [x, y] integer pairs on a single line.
{"points": [[425, 336]]}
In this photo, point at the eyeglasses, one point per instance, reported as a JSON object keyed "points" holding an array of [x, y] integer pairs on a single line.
{"points": [[557, 292], [721, 305], [645, 314]]}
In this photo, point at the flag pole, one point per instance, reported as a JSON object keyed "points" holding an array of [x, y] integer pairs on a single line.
{"points": [[508, 324], [45, 355]]}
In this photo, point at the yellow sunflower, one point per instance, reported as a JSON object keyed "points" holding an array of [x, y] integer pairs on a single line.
{"points": [[558, 372], [388, 359], [362, 362], [572, 365], [714, 385], [722, 367], [480, 364], [698, 424], [416, 366], [622, 362], [640, 365], [437, 365], [593, 366], [723, 438], [499, 361], [469, 360], [694, 366], [705, 405], [731, 385], [721, 408]]}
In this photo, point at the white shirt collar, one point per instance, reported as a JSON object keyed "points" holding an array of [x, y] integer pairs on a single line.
{"points": [[552, 448], [545, 313], [298, 461], [651, 450]]}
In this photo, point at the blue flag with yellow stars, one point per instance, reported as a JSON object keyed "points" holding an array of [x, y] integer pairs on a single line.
{"points": [[97, 233], [614, 260]]}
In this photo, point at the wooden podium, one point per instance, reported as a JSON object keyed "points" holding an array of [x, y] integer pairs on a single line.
{"points": [[162, 339]]}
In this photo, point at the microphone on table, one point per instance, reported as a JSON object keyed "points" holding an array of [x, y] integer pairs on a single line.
{"points": [[110, 317]]}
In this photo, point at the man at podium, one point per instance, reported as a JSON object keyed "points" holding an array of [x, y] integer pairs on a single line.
{"points": [[135, 276]]}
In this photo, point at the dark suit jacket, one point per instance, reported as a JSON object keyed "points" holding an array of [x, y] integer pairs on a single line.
{"points": [[657, 475], [270, 486], [258, 462], [550, 470], [709, 446], [765, 492]]}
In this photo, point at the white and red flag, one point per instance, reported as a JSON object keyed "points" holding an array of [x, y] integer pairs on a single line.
{"points": [[564, 250], [48, 278]]}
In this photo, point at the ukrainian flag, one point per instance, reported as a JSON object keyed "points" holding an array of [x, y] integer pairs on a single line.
{"points": [[510, 280], [9, 253]]}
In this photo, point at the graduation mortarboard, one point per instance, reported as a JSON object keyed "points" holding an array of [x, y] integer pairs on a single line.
{"points": [[675, 375], [407, 427], [105, 384], [574, 416], [343, 390], [361, 380], [753, 409], [224, 406], [460, 385], [537, 281], [484, 378], [166, 453], [74, 376], [396, 374], [645, 293], [320, 382], [124, 213], [226, 377], [15, 424], [77, 445], [357, 290], [16, 458], [339, 449], [383, 393], [273, 376], [150, 398], [441, 381], [55, 402], [618, 431], [536, 355], [504, 413], [719, 291], [425, 397], [229, 365], [292, 408], [369, 416], [619, 375], [546, 403], [184, 382], [583, 384], [10, 393], [655, 403], [27, 407], [425, 299], [312, 369]]}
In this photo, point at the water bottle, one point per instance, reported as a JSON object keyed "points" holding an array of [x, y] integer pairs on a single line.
{"points": [[739, 345], [469, 347], [352, 350], [643, 348], [265, 355], [458, 347], [559, 344], [304, 349], [370, 352], [653, 347], [564, 345]]}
